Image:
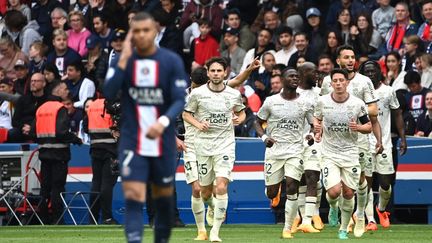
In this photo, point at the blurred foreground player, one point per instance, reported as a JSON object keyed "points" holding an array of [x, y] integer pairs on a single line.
{"points": [[153, 86]]}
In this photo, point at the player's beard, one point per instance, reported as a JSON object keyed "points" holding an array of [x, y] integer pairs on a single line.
{"points": [[217, 81]]}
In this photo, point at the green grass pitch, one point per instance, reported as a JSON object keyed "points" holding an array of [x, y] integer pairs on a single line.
{"points": [[229, 234]]}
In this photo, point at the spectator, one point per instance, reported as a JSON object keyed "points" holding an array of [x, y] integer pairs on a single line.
{"points": [[282, 9], [260, 78], [100, 24], [41, 13], [120, 8], [99, 7], [25, 109], [10, 54], [424, 30], [417, 63], [412, 47], [22, 32], [75, 115], [315, 30], [383, 17], [23, 8], [234, 52], [287, 45], [37, 57], [263, 44], [302, 44], [336, 9], [278, 68], [276, 84], [78, 34], [51, 75], [272, 22], [116, 45], [395, 74], [197, 9], [403, 27], [59, 19], [426, 75], [83, 6], [146, 5], [97, 61], [234, 21], [205, 46], [334, 39], [325, 64], [343, 25], [173, 8], [424, 121], [246, 128], [80, 87], [169, 36], [415, 98], [62, 55], [363, 37], [22, 81], [6, 107]]}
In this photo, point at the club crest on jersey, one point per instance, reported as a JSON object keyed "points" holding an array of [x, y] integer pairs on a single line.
{"points": [[384, 156], [354, 170]]}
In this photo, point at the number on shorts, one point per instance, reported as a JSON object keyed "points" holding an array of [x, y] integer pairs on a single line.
{"points": [[203, 169], [325, 172], [268, 168], [188, 166]]}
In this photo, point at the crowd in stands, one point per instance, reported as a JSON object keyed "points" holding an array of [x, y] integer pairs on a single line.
{"points": [[74, 42]]}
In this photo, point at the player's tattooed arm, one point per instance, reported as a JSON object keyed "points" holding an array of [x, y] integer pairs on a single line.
{"points": [[401, 130], [268, 141], [243, 76], [317, 129], [189, 118]]}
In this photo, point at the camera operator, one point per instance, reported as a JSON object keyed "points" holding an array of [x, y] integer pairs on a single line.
{"points": [[101, 122]]}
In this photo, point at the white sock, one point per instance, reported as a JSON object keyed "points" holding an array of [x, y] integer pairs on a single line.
{"points": [[309, 210], [291, 206], [302, 200], [362, 198], [221, 205], [333, 202], [347, 208], [370, 208], [210, 202], [384, 197], [318, 202], [198, 210]]}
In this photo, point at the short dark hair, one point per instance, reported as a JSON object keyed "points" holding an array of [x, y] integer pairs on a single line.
{"points": [[301, 33], [78, 66], [199, 76], [55, 84], [285, 30], [279, 66], [16, 20], [284, 72], [339, 70], [342, 48], [425, 2], [219, 60], [266, 29], [140, 16], [324, 56], [204, 21], [162, 17], [233, 11], [412, 77], [102, 16]]}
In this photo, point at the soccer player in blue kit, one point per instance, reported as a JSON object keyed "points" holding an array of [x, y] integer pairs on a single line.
{"points": [[153, 83]]}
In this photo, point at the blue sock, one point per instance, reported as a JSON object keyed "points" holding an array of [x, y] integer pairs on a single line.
{"points": [[164, 218], [134, 221]]}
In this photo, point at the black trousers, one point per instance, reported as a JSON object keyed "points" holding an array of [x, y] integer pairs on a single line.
{"points": [[103, 182], [53, 173]]}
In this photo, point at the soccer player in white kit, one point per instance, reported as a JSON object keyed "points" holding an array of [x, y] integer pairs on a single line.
{"points": [[383, 163], [336, 116], [310, 194], [286, 114], [361, 87], [198, 78], [214, 109]]}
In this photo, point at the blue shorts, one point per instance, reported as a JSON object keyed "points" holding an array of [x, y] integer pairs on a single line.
{"points": [[157, 170]]}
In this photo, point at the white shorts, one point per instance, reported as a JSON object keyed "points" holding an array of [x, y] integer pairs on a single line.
{"points": [[339, 168], [276, 169], [365, 159], [210, 167], [383, 163], [312, 157]]}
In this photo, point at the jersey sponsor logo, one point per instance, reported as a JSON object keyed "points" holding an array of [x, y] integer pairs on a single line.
{"points": [[218, 118], [146, 73], [354, 170], [384, 156], [338, 127], [288, 124], [417, 101], [225, 157], [361, 154], [147, 96]]}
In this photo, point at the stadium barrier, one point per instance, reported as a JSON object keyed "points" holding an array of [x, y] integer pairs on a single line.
{"points": [[247, 201]]}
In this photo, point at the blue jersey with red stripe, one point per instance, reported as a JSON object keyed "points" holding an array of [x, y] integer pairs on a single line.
{"points": [[151, 86]]}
